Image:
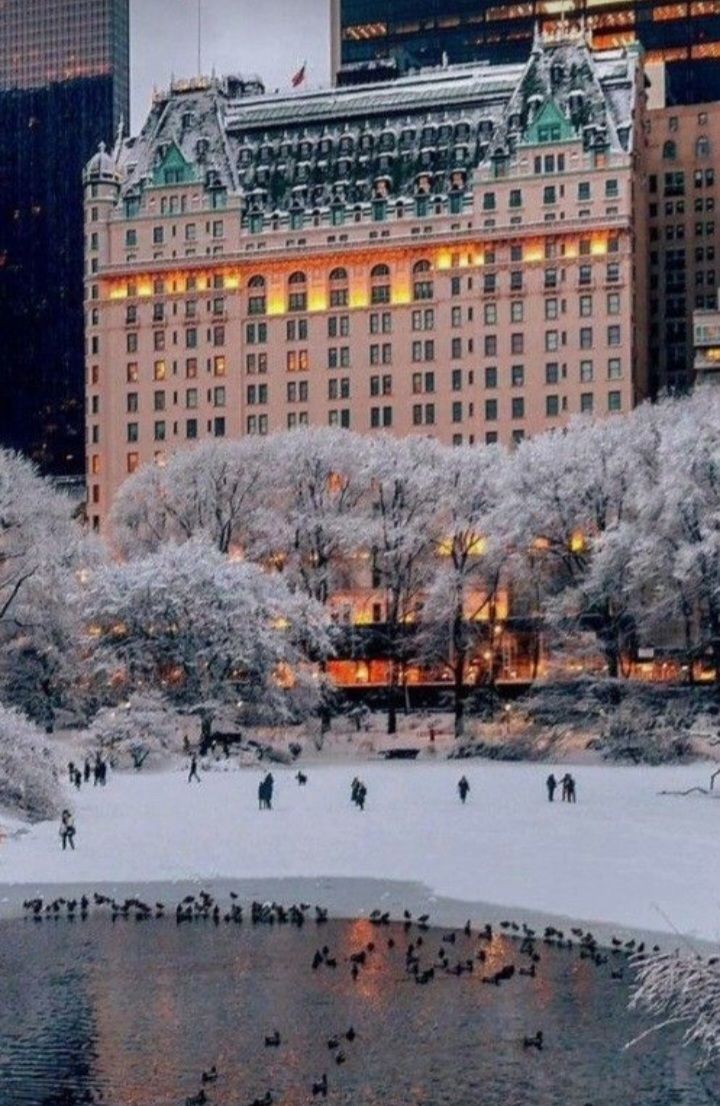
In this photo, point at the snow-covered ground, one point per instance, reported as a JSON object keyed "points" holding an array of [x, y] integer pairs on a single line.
{"points": [[624, 854]]}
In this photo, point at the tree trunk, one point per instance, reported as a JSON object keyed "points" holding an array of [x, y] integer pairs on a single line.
{"points": [[392, 693]]}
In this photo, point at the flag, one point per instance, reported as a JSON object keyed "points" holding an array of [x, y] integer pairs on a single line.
{"points": [[299, 77]]}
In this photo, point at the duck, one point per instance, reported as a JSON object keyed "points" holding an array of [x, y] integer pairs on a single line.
{"points": [[320, 1087], [273, 1041], [209, 1076], [534, 1042]]}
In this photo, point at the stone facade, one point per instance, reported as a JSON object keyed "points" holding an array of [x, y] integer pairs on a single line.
{"points": [[460, 253]]}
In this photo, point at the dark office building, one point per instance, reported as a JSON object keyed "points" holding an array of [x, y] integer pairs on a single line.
{"points": [[411, 33], [64, 76]]}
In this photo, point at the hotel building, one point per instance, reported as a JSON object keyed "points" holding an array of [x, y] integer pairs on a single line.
{"points": [[460, 253]]}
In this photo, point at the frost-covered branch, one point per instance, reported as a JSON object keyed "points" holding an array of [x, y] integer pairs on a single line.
{"points": [[682, 988]]}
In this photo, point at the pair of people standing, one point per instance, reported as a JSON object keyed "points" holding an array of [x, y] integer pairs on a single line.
{"points": [[567, 785], [358, 793]]}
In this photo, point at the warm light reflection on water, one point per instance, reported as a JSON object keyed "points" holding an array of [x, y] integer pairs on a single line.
{"points": [[138, 1010]]}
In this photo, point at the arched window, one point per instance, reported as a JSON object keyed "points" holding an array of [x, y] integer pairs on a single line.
{"points": [[256, 295], [297, 296], [380, 284], [339, 291], [422, 266], [669, 150], [422, 285], [702, 146]]}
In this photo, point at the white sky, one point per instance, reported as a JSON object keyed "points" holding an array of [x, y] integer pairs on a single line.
{"points": [[269, 37]]}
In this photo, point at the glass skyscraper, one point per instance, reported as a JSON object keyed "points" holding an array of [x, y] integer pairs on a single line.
{"points": [[686, 36], [64, 87]]}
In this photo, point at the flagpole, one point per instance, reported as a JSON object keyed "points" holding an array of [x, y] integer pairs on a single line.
{"points": [[199, 38]]}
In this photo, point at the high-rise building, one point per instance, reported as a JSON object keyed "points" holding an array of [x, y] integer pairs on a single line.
{"points": [[683, 198], [64, 73], [460, 253], [414, 33]]}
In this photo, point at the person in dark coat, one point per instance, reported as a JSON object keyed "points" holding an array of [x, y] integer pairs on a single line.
{"points": [[551, 784], [354, 790], [571, 793], [361, 796], [193, 773], [67, 830], [566, 781], [269, 785], [71, 771], [463, 788], [86, 770], [78, 778]]}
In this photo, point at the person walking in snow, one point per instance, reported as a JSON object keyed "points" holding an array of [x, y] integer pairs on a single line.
{"points": [[354, 790], [361, 795], [571, 793], [97, 769], [551, 784], [71, 771], [269, 785], [193, 774], [463, 789], [78, 778], [565, 782], [86, 770], [67, 830]]}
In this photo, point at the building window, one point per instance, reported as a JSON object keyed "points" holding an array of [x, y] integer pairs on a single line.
{"points": [[518, 407], [133, 462], [586, 371], [613, 335], [586, 403], [491, 376], [491, 410], [132, 432], [132, 374], [614, 368], [552, 372], [614, 401], [517, 376]]}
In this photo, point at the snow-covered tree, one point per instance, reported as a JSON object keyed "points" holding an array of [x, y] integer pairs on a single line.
{"points": [[571, 493], [677, 561], [402, 535], [205, 628], [215, 490], [29, 784], [682, 989], [319, 506], [460, 612], [42, 553], [144, 729]]}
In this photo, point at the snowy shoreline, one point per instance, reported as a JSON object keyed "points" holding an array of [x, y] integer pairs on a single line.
{"points": [[624, 861], [345, 899]]}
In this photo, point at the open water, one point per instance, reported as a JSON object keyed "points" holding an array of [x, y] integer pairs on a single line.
{"points": [[131, 1014]]}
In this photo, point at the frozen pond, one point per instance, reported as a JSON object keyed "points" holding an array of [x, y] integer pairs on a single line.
{"points": [[131, 1013]]}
